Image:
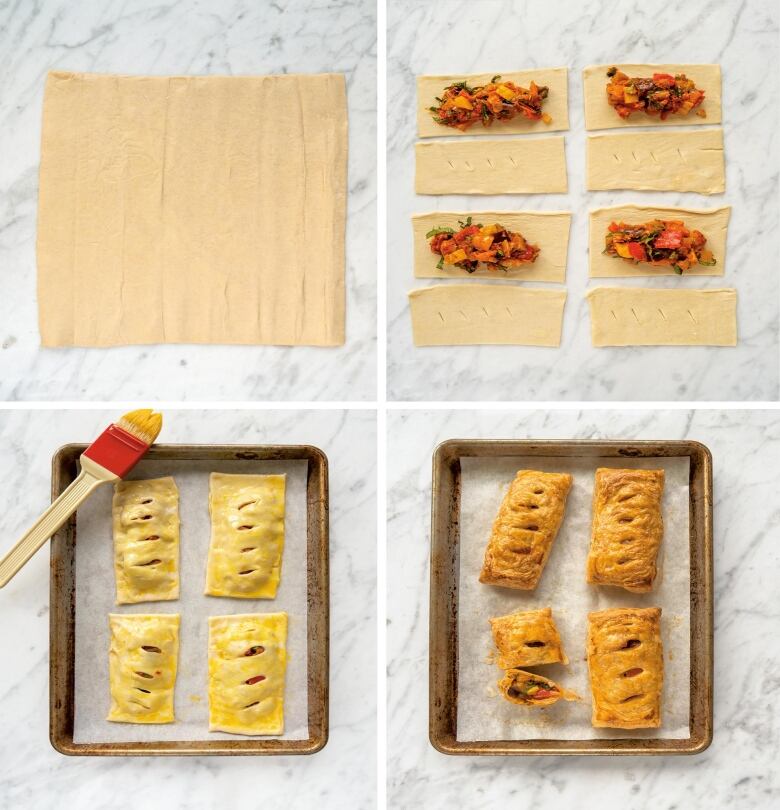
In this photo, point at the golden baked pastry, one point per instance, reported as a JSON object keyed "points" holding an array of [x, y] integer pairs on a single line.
{"points": [[627, 528], [527, 638], [529, 689], [523, 532], [626, 665]]}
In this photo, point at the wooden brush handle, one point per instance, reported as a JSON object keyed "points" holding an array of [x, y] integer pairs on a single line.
{"points": [[91, 476]]}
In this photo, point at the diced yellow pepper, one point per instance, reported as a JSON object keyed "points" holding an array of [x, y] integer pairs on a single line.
{"points": [[546, 118], [463, 103], [455, 257], [622, 250], [505, 92], [630, 94], [489, 230], [533, 690]]}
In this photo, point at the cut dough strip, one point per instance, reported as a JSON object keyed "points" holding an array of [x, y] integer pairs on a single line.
{"points": [[712, 222], [512, 166], [549, 230], [676, 160], [472, 314], [599, 114], [556, 104], [630, 316]]}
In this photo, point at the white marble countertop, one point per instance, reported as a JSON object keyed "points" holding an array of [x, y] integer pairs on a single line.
{"points": [[198, 37], [34, 775], [462, 36], [739, 769]]}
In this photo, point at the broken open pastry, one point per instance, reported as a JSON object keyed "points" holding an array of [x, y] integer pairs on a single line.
{"points": [[527, 638], [529, 689]]}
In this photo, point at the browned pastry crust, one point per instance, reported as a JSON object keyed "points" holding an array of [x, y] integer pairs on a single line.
{"points": [[527, 638], [627, 528], [515, 682], [523, 532], [625, 661]]}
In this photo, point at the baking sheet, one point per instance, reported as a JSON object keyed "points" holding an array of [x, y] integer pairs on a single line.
{"points": [[95, 599], [482, 713]]}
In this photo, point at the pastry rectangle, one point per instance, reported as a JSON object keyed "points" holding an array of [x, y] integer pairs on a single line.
{"points": [[473, 314], [247, 663], [673, 160], [712, 222], [512, 166], [161, 203], [247, 535], [627, 528], [527, 638], [548, 230], [556, 105], [633, 316], [524, 530], [146, 540], [143, 660], [625, 661], [600, 115]]}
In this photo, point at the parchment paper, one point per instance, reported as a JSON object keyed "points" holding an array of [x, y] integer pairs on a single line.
{"points": [[95, 595], [483, 714]]}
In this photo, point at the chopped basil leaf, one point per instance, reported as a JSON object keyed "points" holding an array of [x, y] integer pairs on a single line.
{"points": [[436, 231]]}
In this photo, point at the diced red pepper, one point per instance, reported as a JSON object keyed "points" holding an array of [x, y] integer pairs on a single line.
{"points": [[668, 239], [613, 226], [542, 693], [637, 251]]}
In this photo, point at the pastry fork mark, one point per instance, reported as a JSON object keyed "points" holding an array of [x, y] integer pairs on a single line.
{"points": [[661, 312], [682, 156], [652, 155], [512, 161], [465, 317], [617, 159], [636, 317], [691, 316], [489, 162], [469, 167], [613, 314], [509, 311], [441, 316], [452, 165], [487, 314]]}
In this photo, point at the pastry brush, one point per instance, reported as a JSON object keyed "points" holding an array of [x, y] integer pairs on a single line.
{"points": [[110, 457]]}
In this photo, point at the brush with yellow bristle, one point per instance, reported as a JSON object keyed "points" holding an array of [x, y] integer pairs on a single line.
{"points": [[110, 457]]}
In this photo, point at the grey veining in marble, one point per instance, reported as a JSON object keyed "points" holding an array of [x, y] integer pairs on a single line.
{"points": [[464, 36], [739, 769], [34, 777], [185, 36]]}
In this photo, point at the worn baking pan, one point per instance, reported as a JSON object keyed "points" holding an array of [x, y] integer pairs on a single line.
{"points": [[445, 555], [63, 609]]}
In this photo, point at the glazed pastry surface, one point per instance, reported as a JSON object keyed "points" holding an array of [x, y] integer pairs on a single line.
{"points": [[527, 638], [514, 687], [627, 528]]}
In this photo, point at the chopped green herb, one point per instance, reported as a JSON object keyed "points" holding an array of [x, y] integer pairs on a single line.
{"points": [[436, 231]]}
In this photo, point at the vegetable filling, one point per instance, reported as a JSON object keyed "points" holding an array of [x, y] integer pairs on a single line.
{"points": [[662, 95], [532, 690], [461, 106]]}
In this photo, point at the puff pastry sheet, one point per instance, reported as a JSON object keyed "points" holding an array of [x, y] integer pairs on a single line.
{"points": [[527, 638], [673, 160], [247, 663], [712, 222], [599, 114], [247, 535], [548, 230], [472, 314], [556, 105], [631, 316], [625, 661], [510, 166], [508, 686], [524, 530], [146, 540], [142, 666], [161, 204], [627, 528]]}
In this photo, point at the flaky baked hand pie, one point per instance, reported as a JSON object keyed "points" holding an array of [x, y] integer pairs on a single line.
{"points": [[625, 660], [627, 528], [523, 533], [527, 638], [529, 689]]}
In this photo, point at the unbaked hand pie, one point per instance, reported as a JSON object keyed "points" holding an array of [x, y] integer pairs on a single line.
{"points": [[529, 689], [627, 528], [526, 639], [525, 528], [625, 661]]}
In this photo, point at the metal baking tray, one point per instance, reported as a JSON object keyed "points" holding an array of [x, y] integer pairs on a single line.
{"points": [[65, 466], [443, 644]]}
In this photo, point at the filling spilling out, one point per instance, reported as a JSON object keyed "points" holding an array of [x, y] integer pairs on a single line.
{"points": [[531, 689], [492, 245], [461, 106], [661, 95]]}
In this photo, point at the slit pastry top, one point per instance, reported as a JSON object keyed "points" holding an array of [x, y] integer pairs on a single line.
{"points": [[527, 638]]}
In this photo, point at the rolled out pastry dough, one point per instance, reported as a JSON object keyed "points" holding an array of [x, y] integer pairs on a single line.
{"points": [[471, 314], [672, 160], [550, 231], [599, 114], [712, 222], [511, 166], [164, 204], [630, 316], [556, 104]]}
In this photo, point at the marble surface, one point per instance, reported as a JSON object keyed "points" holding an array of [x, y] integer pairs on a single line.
{"points": [[738, 770], [462, 36], [33, 775], [195, 37]]}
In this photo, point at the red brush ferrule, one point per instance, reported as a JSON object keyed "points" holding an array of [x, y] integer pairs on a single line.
{"points": [[116, 450]]}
